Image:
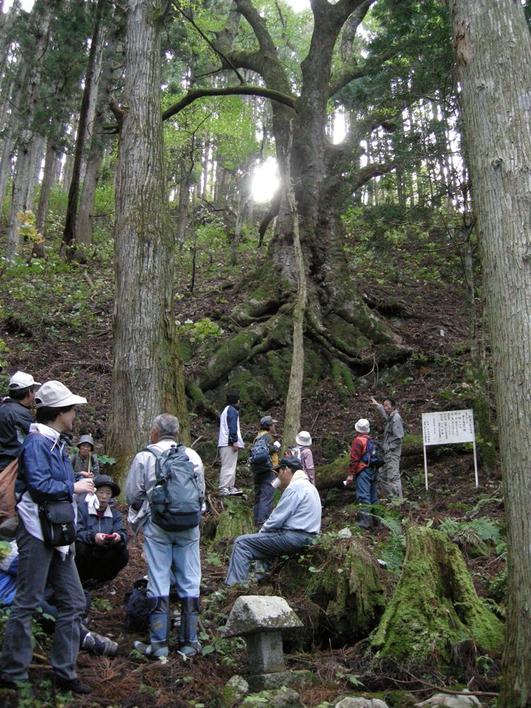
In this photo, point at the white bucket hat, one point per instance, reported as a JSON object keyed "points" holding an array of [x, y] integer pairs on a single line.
{"points": [[54, 394], [22, 380], [363, 426], [303, 438]]}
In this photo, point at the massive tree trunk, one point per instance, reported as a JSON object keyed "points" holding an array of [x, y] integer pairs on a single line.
{"points": [[493, 56], [147, 373], [337, 323]]}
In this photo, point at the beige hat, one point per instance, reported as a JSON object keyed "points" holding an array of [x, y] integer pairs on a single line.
{"points": [[87, 439], [54, 394], [363, 426], [303, 438], [22, 380]]}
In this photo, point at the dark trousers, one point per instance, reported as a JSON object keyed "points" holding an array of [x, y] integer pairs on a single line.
{"points": [[263, 497], [100, 563]]}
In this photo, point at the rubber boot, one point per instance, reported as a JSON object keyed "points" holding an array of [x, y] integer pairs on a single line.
{"points": [[158, 628], [188, 643]]}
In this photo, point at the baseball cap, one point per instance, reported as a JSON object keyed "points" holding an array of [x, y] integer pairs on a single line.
{"points": [[55, 394], [22, 380], [292, 462]]}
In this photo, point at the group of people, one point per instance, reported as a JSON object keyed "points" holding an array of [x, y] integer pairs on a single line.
{"points": [[165, 490]]}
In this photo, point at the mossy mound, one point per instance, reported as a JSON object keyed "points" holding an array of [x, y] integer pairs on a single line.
{"points": [[343, 594], [235, 520], [435, 606]]}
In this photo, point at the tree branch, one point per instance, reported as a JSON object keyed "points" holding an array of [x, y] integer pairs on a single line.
{"points": [[376, 169], [224, 58], [192, 96]]}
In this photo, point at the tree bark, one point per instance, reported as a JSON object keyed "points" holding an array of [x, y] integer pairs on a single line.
{"points": [[493, 54], [44, 196], [73, 192], [147, 371]]}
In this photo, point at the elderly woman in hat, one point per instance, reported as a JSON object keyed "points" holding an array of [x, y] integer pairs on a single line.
{"points": [[85, 461], [101, 550], [45, 478]]}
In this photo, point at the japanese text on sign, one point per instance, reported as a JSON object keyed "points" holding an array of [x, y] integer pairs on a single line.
{"points": [[448, 427]]}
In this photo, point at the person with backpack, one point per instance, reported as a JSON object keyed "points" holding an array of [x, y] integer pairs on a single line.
{"points": [[361, 470], [16, 416], [101, 539], [263, 456], [230, 441], [45, 537], [389, 479], [165, 489]]}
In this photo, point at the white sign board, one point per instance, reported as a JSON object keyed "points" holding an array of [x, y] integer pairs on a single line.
{"points": [[447, 428]]}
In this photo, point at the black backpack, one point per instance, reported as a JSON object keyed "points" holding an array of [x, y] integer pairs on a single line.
{"points": [[373, 454], [177, 498], [259, 456], [137, 608]]}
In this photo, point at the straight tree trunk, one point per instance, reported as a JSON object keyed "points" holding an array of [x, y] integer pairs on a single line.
{"points": [[147, 371], [46, 185], [73, 192], [493, 56]]}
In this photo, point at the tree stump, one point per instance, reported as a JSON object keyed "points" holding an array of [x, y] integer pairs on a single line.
{"points": [[435, 606]]}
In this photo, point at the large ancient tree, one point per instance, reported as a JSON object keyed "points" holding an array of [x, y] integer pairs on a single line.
{"points": [[493, 57], [337, 322], [147, 374]]}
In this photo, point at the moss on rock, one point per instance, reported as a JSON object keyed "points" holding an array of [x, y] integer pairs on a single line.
{"points": [[435, 605]]}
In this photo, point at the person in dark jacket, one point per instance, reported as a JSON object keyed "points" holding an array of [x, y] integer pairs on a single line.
{"points": [[85, 461], [101, 550], [263, 474], [15, 416], [45, 474]]}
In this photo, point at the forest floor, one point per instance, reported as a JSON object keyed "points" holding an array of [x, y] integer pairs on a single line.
{"points": [[432, 320]]}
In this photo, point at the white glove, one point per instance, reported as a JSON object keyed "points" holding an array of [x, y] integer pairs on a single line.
{"points": [[277, 445]]}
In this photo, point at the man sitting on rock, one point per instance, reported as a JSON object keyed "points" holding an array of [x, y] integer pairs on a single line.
{"points": [[293, 524]]}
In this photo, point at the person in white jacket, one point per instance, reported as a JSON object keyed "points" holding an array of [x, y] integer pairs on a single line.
{"points": [[229, 442]]}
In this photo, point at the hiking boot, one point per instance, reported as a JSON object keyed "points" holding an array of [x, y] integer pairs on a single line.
{"points": [[189, 650], [99, 645], [364, 520], [157, 650], [74, 685], [10, 685]]}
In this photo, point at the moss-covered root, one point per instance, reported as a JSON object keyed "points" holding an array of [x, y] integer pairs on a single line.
{"points": [[342, 579], [235, 519], [435, 605]]}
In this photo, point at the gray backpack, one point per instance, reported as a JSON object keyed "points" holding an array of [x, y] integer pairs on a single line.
{"points": [[177, 498]]}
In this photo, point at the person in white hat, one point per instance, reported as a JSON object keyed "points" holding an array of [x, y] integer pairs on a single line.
{"points": [[304, 443], [16, 416], [360, 470], [46, 475]]}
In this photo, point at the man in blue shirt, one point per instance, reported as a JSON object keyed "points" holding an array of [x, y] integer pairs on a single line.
{"points": [[293, 524]]}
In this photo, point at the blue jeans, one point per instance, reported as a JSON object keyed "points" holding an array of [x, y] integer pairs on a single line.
{"points": [[39, 565], [263, 497], [263, 546], [366, 492], [172, 555]]}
